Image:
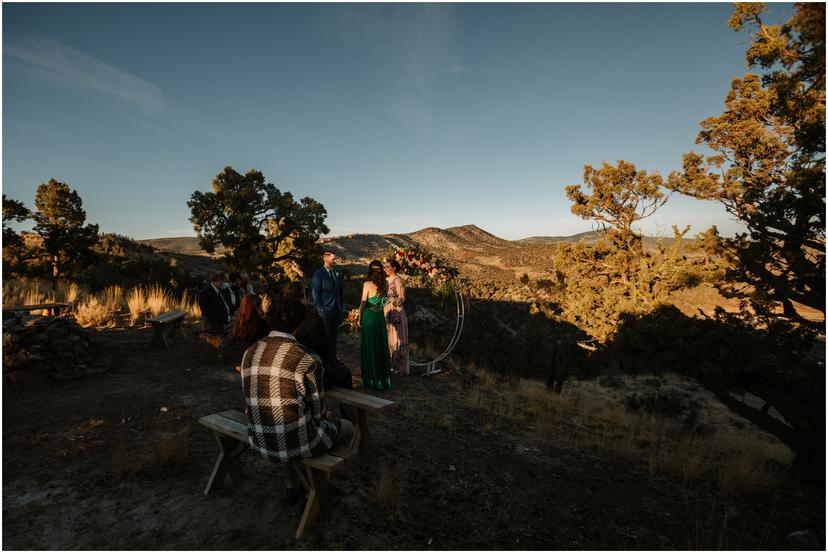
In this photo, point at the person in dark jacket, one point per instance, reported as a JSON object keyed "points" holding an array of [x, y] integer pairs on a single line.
{"points": [[327, 297], [232, 293], [215, 314]]}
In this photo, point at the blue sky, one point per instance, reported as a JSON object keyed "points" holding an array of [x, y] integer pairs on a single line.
{"points": [[395, 117]]}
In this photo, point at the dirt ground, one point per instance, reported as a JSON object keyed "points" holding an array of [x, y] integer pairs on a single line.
{"points": [[119, 461]]}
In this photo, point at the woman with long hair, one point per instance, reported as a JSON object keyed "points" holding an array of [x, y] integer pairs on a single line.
{"points": [[395, 319], [250, 325], [374, 357]]}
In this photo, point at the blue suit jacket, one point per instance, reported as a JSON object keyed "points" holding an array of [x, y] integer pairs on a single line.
{"points": [[325, 293]]}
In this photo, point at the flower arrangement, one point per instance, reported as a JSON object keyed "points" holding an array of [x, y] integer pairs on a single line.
{"points": [[417, 262], [352, 320]]}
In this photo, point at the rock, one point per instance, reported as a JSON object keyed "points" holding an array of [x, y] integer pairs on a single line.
{"points": [[802, 539]]}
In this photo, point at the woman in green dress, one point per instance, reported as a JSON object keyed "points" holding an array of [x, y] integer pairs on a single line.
{"points": [[374, 356]]}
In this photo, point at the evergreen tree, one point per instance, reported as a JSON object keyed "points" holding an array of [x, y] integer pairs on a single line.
{"points": [[769, 167], [263, 229], [60, 218]]}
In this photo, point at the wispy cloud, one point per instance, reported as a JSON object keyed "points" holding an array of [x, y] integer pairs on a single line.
{"points": [[413, 45], [72, 68]]}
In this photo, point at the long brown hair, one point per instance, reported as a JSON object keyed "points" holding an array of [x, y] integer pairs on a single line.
{"points": [[247, 320], [377, 276]]}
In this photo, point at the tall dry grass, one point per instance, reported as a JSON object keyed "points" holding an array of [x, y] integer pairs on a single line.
{"points": [[136, 301], [158, 300], [583, 417], [94, 312], [33, 291]]}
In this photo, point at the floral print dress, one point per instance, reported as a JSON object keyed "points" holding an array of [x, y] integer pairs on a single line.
{"points": [[397, 327]]}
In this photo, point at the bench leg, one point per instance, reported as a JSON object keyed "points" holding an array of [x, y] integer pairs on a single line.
{"points": [[227, 462], [180, 327], [158, 335], [319, 501], [360, 421]]}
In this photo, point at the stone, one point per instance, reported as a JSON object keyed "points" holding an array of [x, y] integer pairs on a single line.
{"points": [[802, 539]]}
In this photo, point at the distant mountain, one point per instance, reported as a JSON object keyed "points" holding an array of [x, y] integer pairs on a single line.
{"points": [[589, 237], [467, 243]]}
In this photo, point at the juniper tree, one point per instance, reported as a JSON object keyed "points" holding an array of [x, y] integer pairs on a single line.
{"points": [[13, 245], [59, 220], [769, 166], [263, 229]]}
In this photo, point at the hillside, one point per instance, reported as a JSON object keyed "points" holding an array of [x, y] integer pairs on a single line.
{"points": [[178, 244]]}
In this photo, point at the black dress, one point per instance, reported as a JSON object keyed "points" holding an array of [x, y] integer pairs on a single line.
{"points": [[312, 334]]}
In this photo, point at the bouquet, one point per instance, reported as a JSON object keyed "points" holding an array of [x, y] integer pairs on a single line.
{"points": [[352, 320]]}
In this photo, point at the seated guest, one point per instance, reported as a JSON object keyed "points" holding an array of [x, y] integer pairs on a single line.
{"points": [[250, 325], [312, 334], [214, 311], [281, 382]]}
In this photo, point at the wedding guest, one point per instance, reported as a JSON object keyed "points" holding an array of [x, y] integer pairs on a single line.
{"points": [[214, 311], [281, 383], [374, 357], [326, 295], [250, 325], [232, 293], [312, 334], [396, 320], [246, 287]]}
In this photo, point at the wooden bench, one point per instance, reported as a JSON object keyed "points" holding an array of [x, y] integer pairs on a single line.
{"points": [[230, 429], [165, 324], [54, 309]]}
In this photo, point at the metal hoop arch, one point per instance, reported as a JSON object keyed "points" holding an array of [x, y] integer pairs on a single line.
{"points": [[431, 366]]}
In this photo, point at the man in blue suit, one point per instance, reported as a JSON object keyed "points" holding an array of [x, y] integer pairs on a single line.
{"points": [[326, 292]]}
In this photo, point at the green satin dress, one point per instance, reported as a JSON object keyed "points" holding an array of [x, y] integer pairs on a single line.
{"points": [[374, 356]]}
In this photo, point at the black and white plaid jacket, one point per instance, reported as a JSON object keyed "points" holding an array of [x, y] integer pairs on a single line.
{"points": [[282, 385]]}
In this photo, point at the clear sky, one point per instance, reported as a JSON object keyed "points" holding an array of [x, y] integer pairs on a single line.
{"points": [[395, 117]]}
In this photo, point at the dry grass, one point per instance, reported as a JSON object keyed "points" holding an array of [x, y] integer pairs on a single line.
{"points": [[189, 304], [390, 490], [31, 291], [136, 302], [113, 297], [158, 300], [585, 416], [92, 312], [744, 472]]}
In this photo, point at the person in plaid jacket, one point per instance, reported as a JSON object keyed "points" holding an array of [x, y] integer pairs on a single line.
{"points": [[282, 385]]}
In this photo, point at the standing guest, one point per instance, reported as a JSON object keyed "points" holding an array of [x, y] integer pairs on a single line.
{"points": [[250, 325], [396, 320], [373, 351], [214, 311], [326, 294], [282, 386], [246, 287], [232, 293]]}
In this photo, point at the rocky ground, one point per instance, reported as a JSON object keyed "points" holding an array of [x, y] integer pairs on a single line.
{"points": [[117, 460]]}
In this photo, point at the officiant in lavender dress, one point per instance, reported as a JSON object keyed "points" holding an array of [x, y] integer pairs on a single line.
{"points": [[395, 319]]}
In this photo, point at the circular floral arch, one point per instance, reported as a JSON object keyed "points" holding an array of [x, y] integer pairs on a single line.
{"points": [[417, 262]]}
